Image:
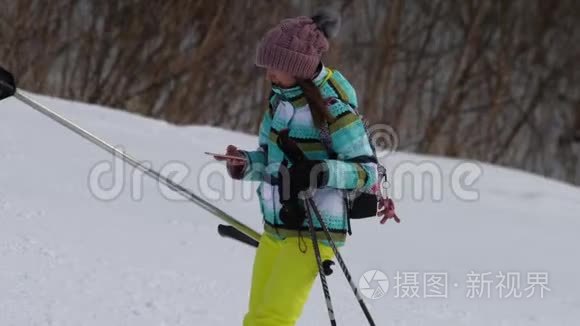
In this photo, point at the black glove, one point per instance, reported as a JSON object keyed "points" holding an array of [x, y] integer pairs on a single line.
{"points": [[293, 213], [306, 175], [303, 175]]}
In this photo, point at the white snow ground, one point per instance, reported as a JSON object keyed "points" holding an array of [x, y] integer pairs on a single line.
{"points": [[68, 258]]}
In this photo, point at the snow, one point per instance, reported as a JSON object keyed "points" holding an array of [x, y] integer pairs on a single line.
{"points": [[69, 258]]}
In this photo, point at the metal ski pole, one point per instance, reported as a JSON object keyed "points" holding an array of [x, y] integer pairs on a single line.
{"points": [[341, 262], [320, 267], [8, 88]]}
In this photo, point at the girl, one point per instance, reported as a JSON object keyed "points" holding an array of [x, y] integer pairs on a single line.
{"points": [[316, 105]]}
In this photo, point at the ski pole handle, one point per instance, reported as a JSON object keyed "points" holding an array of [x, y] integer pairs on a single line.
{"points": [[7, 84]]}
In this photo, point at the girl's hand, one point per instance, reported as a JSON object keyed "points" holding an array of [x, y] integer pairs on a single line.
{"points": [[232, 156], [235, 167]]}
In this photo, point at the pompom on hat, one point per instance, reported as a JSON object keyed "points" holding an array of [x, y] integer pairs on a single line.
{"points": [[296, 45]]}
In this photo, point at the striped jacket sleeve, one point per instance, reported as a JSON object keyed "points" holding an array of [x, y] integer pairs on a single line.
{"points": [[256, 164], [355, 167]]}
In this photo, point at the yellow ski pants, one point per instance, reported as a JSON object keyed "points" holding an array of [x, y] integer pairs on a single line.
{"points": [[282, 278]]}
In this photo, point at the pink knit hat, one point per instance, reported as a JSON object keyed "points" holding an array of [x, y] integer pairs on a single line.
{"points": [[296, 45]]}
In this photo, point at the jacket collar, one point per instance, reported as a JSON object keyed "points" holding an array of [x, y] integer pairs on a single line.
{"points": [[295, 95]]}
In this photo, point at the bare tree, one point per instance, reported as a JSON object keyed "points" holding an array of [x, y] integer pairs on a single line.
{"points": [[485, 79]]}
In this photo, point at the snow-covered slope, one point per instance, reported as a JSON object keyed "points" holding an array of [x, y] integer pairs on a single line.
{"points": [[69, 258]]}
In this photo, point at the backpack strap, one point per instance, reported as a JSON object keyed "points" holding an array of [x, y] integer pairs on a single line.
{"points": [[326, 141], [325, 136], [385, 205]]}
